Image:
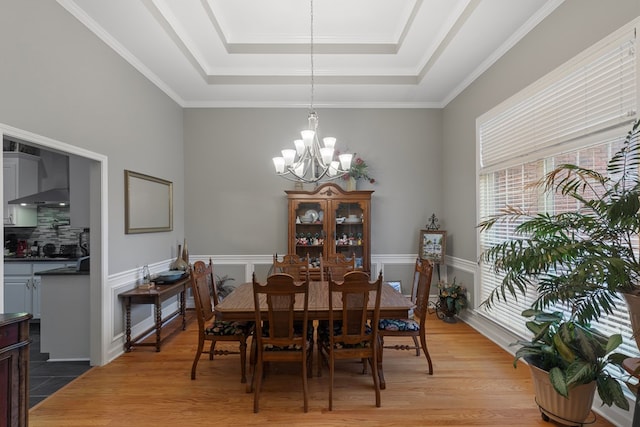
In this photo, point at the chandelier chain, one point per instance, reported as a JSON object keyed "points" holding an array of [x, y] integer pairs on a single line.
{"points": [[310, 162], [311, 51]]}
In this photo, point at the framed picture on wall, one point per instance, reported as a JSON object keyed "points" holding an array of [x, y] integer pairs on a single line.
{"points": [[148, 203], [432, 245]]}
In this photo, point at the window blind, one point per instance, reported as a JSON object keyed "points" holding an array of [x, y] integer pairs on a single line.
{"points": [[569, 116], [596, 92]]}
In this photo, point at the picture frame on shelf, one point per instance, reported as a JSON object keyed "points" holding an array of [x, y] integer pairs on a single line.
{"points": [[432, 245]]}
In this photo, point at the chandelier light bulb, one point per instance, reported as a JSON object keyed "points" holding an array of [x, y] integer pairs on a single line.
{"points": [[289, 156], [327, 155], [345, 161], [307, 137], [329, 142], [299, 146], [278, 162]]}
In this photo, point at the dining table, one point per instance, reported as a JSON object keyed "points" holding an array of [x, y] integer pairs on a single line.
{"points": [[239, 306]]}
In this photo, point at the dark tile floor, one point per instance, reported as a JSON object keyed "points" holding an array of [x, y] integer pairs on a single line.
{"points": [[45, 378]]}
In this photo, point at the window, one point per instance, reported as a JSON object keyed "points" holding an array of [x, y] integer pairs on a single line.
{"points": [[578, 114]]}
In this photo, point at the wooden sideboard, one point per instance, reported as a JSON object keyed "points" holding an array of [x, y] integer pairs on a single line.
{"points": [[14, 369]]}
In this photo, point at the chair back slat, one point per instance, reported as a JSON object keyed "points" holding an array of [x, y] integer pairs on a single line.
{"points": [[354, 293], [201, 274], [292, 264], [277, 297], [424, 269], [336, 266]]}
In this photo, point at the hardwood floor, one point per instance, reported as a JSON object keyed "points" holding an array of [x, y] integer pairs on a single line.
{"points": [[474, 384]]}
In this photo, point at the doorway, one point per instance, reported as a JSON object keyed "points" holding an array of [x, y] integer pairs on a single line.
{"points": [[97, 178]]}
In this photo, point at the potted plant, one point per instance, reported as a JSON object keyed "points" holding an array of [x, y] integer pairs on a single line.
{"points": [[584, 256], [452, 299], [568, 361], [222, 287]]}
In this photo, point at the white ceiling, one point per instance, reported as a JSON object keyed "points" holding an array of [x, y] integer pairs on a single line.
{"points": [[256, 53]]}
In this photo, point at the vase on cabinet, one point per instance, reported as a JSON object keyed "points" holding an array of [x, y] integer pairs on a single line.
{"points": [[351, 184]]}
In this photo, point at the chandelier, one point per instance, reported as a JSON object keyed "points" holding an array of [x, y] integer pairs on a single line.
{"points": [[311, 162]]}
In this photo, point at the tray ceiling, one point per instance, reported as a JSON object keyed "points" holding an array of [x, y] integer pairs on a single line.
{"points": [[255, 53]]}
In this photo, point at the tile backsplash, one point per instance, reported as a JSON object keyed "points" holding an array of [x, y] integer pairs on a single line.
{"points": [[45, 232]]}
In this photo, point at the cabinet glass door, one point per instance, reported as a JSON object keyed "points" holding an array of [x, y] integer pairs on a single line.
{"points": [[310, 232], [349, 231]]}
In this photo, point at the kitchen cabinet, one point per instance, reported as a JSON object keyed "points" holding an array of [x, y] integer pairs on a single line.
{"points": [[20, 174], [22, 294], [22, 287], [329, 221]]}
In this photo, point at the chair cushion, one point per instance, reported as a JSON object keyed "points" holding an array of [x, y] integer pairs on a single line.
{"points": [[323, 335], [228, 327], [292, 347], [398, 325], [297, 332]]}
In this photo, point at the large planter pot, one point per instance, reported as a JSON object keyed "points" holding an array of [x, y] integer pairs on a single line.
{"points": [[633, 304], [572, 411]]}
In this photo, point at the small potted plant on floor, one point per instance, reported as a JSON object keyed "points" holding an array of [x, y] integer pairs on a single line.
{"points": [[452, 299], [223, 288]]}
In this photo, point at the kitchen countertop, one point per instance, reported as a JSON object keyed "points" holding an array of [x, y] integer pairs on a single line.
{"points": [[62, 271]]}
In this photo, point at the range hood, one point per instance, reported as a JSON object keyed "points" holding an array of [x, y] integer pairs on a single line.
{"points": [[53, 197]]}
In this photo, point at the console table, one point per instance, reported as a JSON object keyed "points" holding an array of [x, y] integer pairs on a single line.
{"points": [[156, 296]]}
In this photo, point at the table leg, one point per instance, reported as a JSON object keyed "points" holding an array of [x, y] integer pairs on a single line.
{"points": [[158, 323], [127, 344], [183, 308]]}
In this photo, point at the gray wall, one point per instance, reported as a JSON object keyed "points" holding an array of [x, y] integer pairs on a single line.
{"points": [[571, 28], [235, 204], [59, 80]]}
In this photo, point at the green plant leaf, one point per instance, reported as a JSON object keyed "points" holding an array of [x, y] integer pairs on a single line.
{"points": [[556, 376], [610, 392]]}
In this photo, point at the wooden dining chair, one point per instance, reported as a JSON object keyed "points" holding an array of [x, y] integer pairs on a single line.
{"points": [[337, 265], [281, 338], [292, 264], [350, 335], [334, 266], [209, 329], [412, 327]]}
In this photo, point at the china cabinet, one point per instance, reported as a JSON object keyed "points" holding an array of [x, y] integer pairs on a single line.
{"points": [[329, 221]]}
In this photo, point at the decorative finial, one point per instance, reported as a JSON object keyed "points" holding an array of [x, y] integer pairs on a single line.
{"points": [[433, 223]]}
